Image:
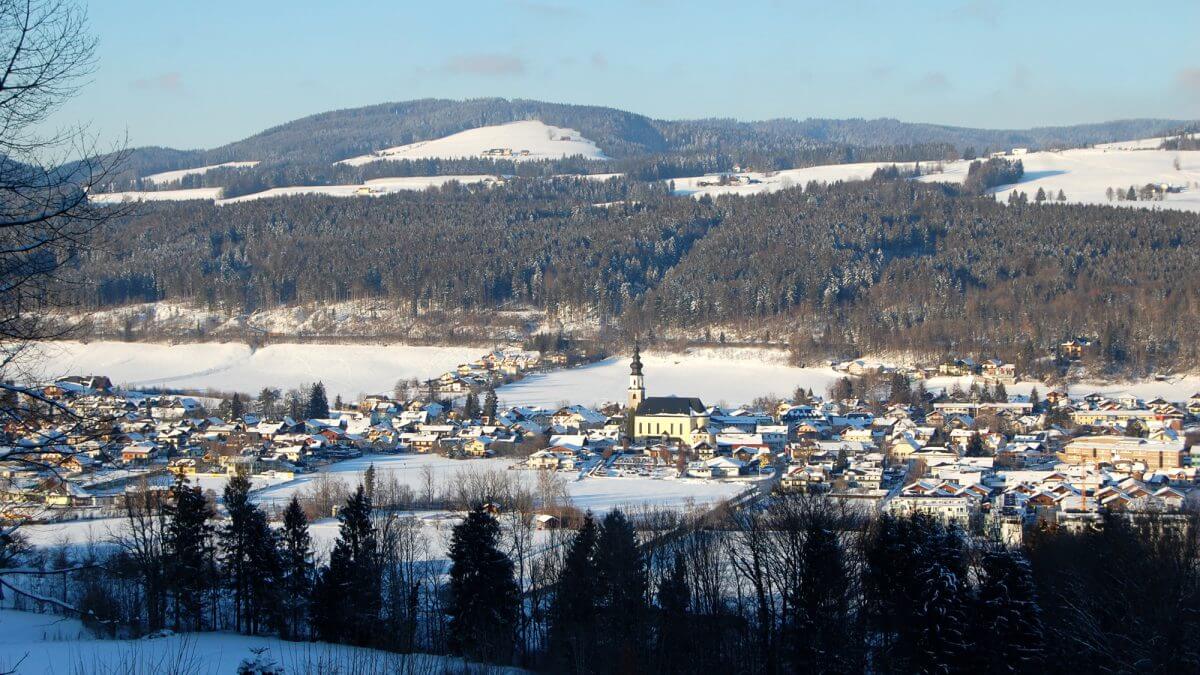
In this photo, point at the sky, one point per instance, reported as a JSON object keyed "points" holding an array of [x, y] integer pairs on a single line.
{"points": [[194, 74]]}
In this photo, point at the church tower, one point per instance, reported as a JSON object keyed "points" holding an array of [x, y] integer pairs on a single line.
{"points": [[637, 386]]}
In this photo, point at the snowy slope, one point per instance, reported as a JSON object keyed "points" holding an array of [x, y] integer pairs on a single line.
{"points": [[345, 369], [372, 188], [526, 140], [43, 643], [1083, 175], [172, 176]]}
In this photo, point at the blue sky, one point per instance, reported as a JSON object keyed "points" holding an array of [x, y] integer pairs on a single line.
{"points": [[198, 74]]}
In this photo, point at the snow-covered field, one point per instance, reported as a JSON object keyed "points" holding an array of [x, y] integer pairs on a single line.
{"points": [[530, 139], [372, 188], [755, 182], [731, 375], [33, 644], [172, 176], [1083, 175], [598, 494], [156, 196], [348, 370]]}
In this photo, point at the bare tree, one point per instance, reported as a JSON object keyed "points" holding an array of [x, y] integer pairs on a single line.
{"points": [[46, 220]]}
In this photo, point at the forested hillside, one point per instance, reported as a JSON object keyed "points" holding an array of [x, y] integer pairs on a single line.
{"points": [[847, 267], [302, 151]]}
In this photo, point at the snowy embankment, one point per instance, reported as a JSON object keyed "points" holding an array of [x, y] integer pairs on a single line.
{"points": [[1083, 175], [348, 370], [33, 644], [172, 176], [516, 141]]}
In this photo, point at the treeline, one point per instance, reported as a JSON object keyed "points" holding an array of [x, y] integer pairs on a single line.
{"points": [[845, 268], [802, 584]]}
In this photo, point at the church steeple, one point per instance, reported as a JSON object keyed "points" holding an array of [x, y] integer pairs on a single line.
{"points": [[637, 385]]}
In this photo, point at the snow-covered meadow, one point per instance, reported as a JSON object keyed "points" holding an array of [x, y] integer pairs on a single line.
{"points": [[733, 376], [600, 494], [1083, 175], [172, 176], [348, 370]]}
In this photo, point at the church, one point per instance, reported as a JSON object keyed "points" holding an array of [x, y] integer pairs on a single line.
{"points": [[672, 418]]}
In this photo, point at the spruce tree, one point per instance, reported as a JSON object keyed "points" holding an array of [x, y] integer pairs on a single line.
{"points": [[490, 403], [249, 561], [621, 587], [471, 406], [817, 634], [484, 598], [191, 565], [573, 609], [346, 599], [676, 637], [318, 405], [295, 553], [1005, 619], [369, 482], [237, 407]]}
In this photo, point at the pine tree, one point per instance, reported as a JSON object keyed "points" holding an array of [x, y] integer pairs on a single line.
{"points": [[337, 402], [484, 598], [975, 446], [572, 612], [295, 555], [1035, 401], [189, 548], [621, 588], [237, 408], [318, 405], [346, 599], [1001, 393]]}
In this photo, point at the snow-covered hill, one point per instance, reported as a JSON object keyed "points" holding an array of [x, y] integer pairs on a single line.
{"points": [[172, 176], [516, 141], [1083, 175]]}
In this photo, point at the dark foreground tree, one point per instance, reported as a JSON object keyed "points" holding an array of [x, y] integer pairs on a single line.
{"points": [[346, 599], [484, 598], [573, 610], [621, 590], [295, 553]]}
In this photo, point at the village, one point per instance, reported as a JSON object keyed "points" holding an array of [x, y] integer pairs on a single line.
{"points": [[995, 464]]}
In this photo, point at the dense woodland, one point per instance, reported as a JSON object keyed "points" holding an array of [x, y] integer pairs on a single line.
{"points": [[834, 269], [796, 584]]}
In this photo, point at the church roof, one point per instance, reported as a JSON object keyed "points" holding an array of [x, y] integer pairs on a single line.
{"points": [[670, 405]]}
